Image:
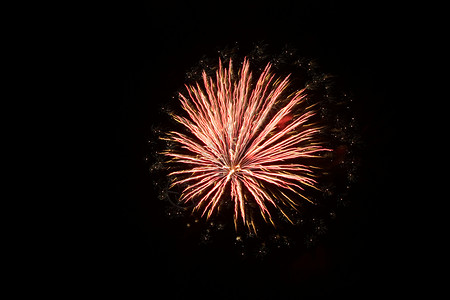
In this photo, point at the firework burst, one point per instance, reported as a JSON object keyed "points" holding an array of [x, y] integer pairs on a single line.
{"points": [[253, 144]]}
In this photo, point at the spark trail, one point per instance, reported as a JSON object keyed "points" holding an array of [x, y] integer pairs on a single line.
{"points": [[246, 143]]}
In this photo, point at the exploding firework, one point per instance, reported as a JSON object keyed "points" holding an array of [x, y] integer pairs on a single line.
{"points": [[250, 144]]}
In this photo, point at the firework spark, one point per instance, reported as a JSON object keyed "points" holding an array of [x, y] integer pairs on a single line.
{"points": [[249, 143]]}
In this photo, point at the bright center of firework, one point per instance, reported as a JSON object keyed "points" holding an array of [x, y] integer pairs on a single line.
{"points": [[250, 141], [233, 170]]}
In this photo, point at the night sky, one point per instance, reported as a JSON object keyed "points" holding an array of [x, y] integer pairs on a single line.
{"points": [[155, 45]]}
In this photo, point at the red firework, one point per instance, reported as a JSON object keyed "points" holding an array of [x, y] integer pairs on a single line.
{"points": [[248, 143]]}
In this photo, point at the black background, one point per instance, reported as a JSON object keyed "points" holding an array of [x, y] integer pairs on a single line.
{"points": [[154, 45]]}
